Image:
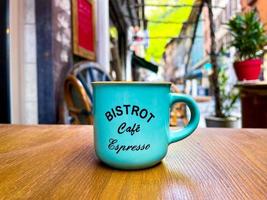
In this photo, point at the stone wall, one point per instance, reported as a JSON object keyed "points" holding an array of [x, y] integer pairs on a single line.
{"points": [[54, 58]]}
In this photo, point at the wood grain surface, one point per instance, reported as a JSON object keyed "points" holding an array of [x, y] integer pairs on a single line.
{"points": [[58, 162]]}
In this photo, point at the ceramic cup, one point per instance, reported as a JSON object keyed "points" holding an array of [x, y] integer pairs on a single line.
{"points": [[131, 122]]}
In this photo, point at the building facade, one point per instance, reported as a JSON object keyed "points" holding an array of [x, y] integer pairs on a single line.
{"points": [[259, 5], [38, 55]]}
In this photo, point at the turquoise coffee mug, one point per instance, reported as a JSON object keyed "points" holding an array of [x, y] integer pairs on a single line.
{"points": [[131, 122]]}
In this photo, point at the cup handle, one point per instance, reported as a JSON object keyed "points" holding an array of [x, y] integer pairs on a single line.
{"points": [[177, 135]]}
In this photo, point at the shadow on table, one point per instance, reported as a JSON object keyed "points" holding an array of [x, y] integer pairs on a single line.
{"points": [[159, 180], [164, 179], [162, 170]]}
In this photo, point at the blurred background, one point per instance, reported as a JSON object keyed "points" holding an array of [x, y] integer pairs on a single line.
{"points": [[52, 50]]}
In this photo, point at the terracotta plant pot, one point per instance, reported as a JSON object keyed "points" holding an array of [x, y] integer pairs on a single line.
{"points": [[248, 69]]}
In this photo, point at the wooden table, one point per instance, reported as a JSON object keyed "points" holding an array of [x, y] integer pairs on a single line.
{"points": [[58, 162]]}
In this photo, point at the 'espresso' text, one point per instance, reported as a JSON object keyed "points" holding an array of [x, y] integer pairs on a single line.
{"points": [[113, 145]]}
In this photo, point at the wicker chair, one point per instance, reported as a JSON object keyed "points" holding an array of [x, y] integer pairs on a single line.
{"points": [[88, 72], [78, 102], [78, 91]]}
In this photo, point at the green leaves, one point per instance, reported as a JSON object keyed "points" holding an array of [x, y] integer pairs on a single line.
{"points": [[248, 33], [160, 32], [228, 96]]}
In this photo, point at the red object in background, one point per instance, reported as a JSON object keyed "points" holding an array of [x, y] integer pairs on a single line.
{"points": [[248, 69], [83, 28], [85, 25]]}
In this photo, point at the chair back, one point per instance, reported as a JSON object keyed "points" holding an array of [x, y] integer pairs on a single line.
{"points": [[78, 102], [88, 72]]}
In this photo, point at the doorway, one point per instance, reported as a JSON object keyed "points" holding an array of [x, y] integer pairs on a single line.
{"points": [[4, 63]]}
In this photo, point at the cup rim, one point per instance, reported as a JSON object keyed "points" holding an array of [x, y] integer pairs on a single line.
{"points": [[130, 83]]}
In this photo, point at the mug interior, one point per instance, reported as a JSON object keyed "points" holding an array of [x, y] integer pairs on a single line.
{"points": [[129, 83]]}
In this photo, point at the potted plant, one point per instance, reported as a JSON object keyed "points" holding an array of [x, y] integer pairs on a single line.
{"points": [[227, 98], [249, 39], [224, 97]]}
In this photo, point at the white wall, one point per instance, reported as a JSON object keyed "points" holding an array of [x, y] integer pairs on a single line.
{"points": [[15, 60], [23, 66], [102, 34]]}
